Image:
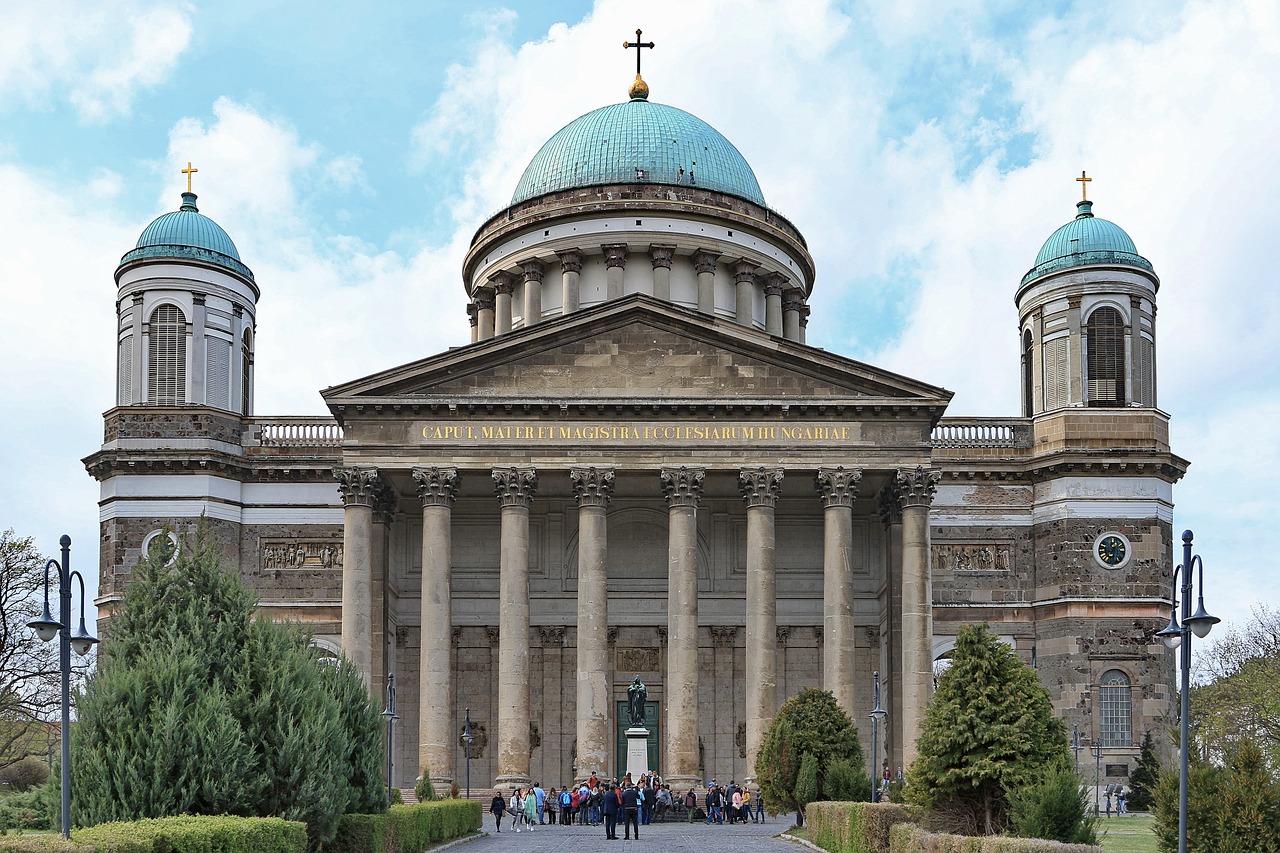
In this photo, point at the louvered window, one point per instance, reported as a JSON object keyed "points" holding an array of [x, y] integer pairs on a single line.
{"points": [[218, 368], [1105, 367], [1116, 706], [246, 370], [1147, 370], [167, 357], [1057, 373], [1028, 385], [124, 371]]}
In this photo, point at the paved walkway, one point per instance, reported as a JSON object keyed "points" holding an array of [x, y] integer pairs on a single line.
{"points": [[658, 837]]}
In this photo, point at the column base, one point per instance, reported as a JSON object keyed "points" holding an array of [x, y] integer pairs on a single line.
{"points": [[511, 782], [684, 783]]}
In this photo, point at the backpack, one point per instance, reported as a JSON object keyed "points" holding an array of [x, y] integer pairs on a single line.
{"points": [[565, 799]]}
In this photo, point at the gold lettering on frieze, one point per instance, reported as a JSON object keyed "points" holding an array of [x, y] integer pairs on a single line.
{"points": [[639, 433]]}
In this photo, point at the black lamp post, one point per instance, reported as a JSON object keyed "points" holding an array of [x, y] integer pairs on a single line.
{"points": [[467, 739], [82, 641], [877, 715], [1174, 635], [390, 714], [1097, 778], [1075, 744]]}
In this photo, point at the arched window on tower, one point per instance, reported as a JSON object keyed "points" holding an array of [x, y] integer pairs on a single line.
{"points": [[1106, 367], [246, 370], [1116, 706], [167, 357], [1028, 384]]}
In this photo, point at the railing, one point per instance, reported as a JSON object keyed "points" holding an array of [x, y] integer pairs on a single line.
{"points": [[294, 432], [982, 432]]}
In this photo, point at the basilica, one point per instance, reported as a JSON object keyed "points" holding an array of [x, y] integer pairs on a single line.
{"points": [[638, 467]]}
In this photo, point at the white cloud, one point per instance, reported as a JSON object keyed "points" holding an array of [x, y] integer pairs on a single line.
{"points": [[95, 56]]}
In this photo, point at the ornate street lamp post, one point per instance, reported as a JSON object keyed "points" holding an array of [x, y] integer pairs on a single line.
{"points": [[1174, 635], [390, 714], [82, 641], [877, 715], [1075, 744], [467, 739], [1097, 777]]}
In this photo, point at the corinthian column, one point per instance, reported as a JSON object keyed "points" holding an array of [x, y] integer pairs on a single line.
{"points": [[759, 488], [437, 487], [915, 493], [773, 304], [615, 262], [683, 488], [359, 488], [792, 303], [838, 489], [503, 284], [570, 270], [891, 516], [485, 301], [744, 276], [533, 271], [515, 487], [705, 263], [661, 256], [593, 488]]}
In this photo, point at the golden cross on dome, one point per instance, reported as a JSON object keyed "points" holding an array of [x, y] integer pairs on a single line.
{"points": [[189, 171], [637, 44], [1084, 186]]}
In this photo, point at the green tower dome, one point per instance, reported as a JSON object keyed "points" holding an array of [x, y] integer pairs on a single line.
{"points": [[638, 142], [187, 235], [1084, 241]]}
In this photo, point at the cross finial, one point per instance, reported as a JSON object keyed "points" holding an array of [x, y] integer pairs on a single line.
{"points": [[189, 171], [637, 44], [1084, 186]]}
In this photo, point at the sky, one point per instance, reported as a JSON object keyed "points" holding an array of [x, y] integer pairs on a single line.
{"points": [[925, 149]]}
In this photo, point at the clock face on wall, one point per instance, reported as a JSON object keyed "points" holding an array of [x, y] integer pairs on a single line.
{"points": [[1112, 550]]}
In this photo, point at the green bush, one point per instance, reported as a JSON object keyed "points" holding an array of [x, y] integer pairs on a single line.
{"points": [[844, 783], [406, 829], [909, 838], [1054, 807], [810, 723], [854, 827], [24, 775], [42, 844], [197, 834], [425, 791], [28, 810]]}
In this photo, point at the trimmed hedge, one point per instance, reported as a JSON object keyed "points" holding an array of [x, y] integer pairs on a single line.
{"points": [[909, 838], [182, 834], [406, 829], [853, 827]]}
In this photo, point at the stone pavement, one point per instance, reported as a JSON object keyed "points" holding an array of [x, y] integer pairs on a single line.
{"points": [[658, 837]]}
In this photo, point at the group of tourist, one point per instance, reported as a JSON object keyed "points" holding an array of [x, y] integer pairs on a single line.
{"points": [[636, 803]]}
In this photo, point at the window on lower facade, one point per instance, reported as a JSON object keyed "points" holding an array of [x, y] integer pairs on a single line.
{"points": [[1117, 709]]}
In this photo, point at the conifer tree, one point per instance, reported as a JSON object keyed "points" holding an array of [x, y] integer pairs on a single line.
{"points": [[989, 728], [809, 723], [1250, 816], [806, 783], [1144, 778], [200, 708]]}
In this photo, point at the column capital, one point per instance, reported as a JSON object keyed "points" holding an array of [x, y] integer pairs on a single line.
{"points": [[744, 270], [704, 260], [592, 486], [385, 503], [359, 486], [516, 485], [570, 260], [661, 255], [436, 486], [775, 283], [916, 486], [760, 486], [724, 636], [838, 486], [682, 486], [793, 298], [473, 313], [889, 507], [805, 309], [783, 633], [552, 636], [533, 269], [503, 282], [615, 255], [484, 298]]}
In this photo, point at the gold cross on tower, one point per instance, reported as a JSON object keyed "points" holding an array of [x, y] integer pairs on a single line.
{"points": [[189, 171], [1084, 186], [637, 44]]}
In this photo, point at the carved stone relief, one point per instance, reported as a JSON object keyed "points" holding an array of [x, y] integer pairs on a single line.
{"points": [[982, 557], [279, 554], [637, 660], [477, 745], [741, 740]]}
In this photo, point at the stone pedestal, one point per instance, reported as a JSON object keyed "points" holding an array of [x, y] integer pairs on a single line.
{"points": [[637, 752]]}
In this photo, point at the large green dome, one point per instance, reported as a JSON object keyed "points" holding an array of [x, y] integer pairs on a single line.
{"points": [[638, 142], [1084, 241], [186, 234]]}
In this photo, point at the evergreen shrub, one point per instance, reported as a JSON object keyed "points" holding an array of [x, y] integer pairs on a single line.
{"points": [[1055, 808], [854, 827], [181, 834], [406, 829]]}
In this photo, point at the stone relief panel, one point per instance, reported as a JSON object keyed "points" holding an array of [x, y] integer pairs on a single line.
{"points": [[636, 660], [972, 558], [305, 554]]}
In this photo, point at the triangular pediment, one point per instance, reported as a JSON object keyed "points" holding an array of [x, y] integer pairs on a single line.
{"points": [[636, 348]]}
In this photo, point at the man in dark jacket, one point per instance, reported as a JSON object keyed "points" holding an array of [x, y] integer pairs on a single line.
{"points": [[630, 813], [609, 807]]}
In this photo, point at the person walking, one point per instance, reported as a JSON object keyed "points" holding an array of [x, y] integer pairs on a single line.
{"points": [[746, 805], [760, 805], [516, 807], [630, 812], [609, 805], [497, 808], [553, 806], [691, 803], [531, 809]]}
